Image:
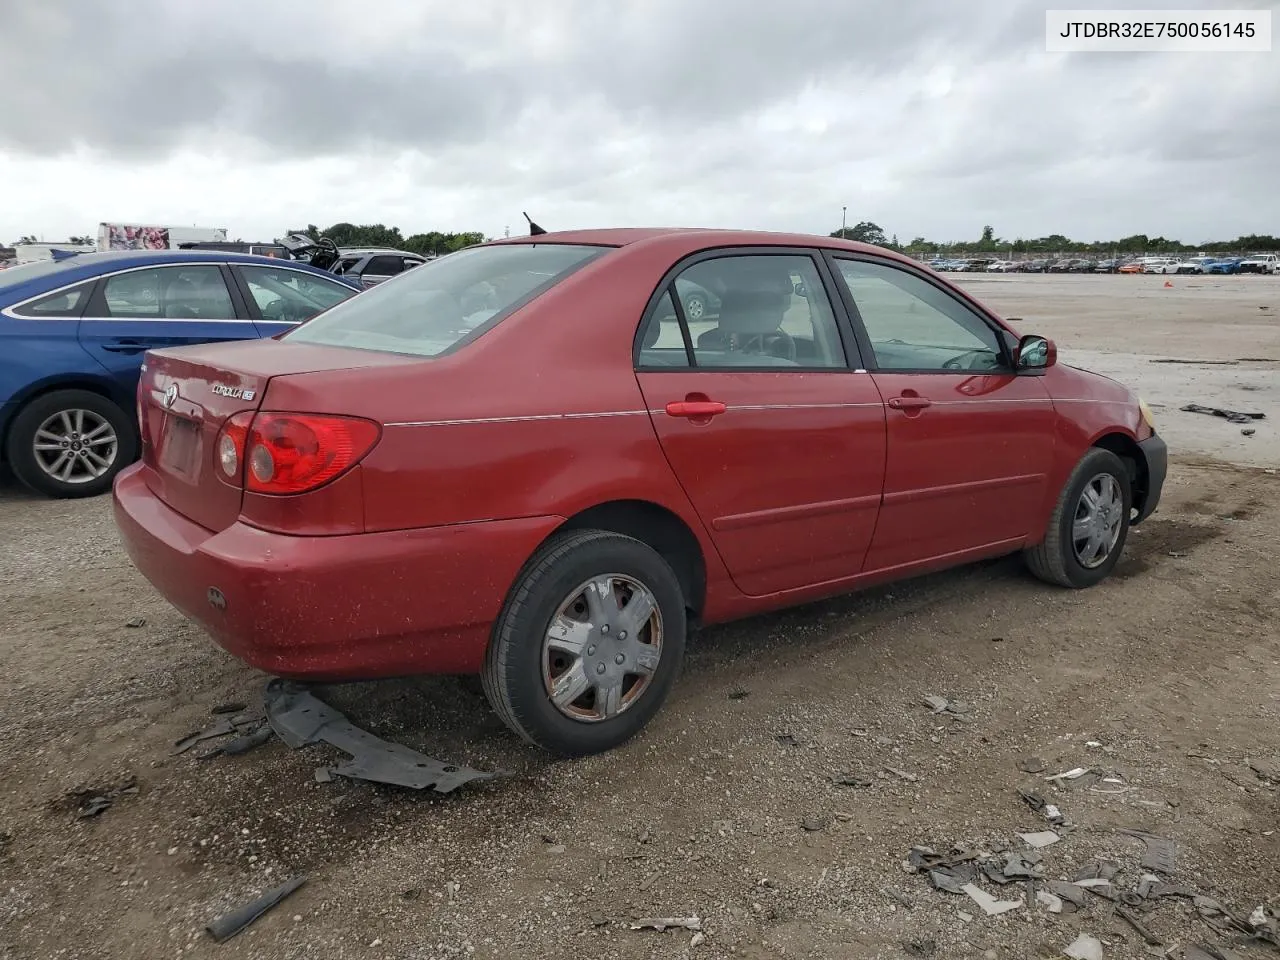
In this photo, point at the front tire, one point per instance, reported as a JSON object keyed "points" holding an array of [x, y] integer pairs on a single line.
{"points": [[1089, 525], [70, 443], [588, 645]]}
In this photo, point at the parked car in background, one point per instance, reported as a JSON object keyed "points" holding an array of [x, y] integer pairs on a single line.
{"points": [[1083, 265], [73, 334], [366, 266], [339, 503], [1225, 265], [1133, 266], [1160, 265], [1260, 263], [1106, 266], [1060, 266], [1194, 265]]}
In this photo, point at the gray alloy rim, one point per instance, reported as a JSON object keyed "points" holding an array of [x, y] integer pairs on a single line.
{"points": [[602, 648], [75, 446], [1096, 527], [694, 308]]}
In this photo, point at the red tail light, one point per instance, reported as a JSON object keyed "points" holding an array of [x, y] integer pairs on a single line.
{"points": [[284, 453]]}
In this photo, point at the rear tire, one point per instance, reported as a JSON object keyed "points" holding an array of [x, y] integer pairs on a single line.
{"points": [[1057, 559], [40, 428], [520, 670]]}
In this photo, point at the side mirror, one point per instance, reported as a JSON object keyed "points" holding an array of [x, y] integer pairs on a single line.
{"points": [[800, 290], [1035, 353]]}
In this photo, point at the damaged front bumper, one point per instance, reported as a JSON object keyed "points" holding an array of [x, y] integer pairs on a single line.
{"points": [[1155, 454]]}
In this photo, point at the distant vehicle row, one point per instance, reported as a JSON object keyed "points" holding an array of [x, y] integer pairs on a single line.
{"points": [[1258, 263]]}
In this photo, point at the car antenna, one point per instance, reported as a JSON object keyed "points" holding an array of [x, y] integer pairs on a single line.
{"points": [[534, 229]]}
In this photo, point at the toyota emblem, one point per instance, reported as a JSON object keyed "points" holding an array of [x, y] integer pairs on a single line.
{"points": [[171, 395]]}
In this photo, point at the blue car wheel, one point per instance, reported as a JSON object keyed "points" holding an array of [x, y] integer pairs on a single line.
{"points": [[70, 443]]}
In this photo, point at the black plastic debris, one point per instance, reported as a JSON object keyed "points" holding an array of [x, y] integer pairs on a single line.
{"points": [[1031, 765], [1231, 416], [1160, 853], [300, 719], [241, 744], [1138, 926], [229, 708], [222, 727], [228, 925], [1041, 806], [851, 780], [134, 623], [1068, 892], [1098, 870], [97, 800]]}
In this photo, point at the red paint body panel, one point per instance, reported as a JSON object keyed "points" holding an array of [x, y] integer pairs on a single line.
{"points": [[371, 605], [805, 486], [788, 477], [967, 470]]}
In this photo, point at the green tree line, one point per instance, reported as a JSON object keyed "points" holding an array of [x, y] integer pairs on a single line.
{"points": [[433, 243], [988, 242]]}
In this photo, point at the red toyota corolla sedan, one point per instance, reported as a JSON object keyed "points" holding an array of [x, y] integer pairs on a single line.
{"points": [[532, 460]]}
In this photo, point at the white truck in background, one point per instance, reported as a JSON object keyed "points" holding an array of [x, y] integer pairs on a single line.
{"points": [[131, 236]]}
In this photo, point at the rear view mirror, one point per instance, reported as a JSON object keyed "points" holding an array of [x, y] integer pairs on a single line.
{"points": [[1036, 353]]}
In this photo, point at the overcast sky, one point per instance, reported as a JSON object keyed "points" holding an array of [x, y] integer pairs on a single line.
{"points": [[930, 117]]}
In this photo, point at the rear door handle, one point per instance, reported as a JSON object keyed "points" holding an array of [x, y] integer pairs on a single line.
{"points": [[128, 346], [695, 409], [909, 403]]}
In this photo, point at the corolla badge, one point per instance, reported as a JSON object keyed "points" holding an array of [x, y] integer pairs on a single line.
{"points": [[234, 393], [171, 395]]}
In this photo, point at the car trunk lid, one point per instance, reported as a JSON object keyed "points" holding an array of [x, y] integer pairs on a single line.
{"points": [[185, 397]]}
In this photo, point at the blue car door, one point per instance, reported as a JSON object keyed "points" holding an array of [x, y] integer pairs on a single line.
{"points": [[279, 298], [146, 308]]}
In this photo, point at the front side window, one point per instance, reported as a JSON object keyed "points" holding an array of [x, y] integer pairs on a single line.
{"points": [[291, 296], [64, 303], [188, 292], [760, 310], [914, 325], [447, 302]]}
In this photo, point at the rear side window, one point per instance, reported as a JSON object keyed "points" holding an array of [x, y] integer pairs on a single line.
{"points": [[189, 292], [384, 266], [446, 302], [64, 303]]}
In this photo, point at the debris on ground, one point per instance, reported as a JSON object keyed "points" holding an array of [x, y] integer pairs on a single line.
{"points": [[229, 708], [787, 740], [1051, 902], [921, 948], [737, 693], [241, 744], [92, 801], [1041, 806], [989, 904], [898, 896], [813, 824], [698, 939], [1068, 892], [1160, 853], [300, 718], [228, 925], [1265, 771], [1231, 416], [1248, 431], [1084, 947], [902, 774], [1041, 839], [223, 727], [852, 780], [1031, 765], [135, 622], [1142, 931], [667, 923], [955, 708], [1097, 869]]}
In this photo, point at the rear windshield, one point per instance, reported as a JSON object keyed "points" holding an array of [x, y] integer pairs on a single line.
{"points": [[13, 276], [444, 303]]}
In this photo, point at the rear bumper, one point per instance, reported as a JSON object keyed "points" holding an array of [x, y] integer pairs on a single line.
{"points": [[1156, 453], [352, 607]]}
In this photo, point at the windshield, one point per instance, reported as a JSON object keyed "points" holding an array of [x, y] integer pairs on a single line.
{"points": [[444, 303], [33, 271]]}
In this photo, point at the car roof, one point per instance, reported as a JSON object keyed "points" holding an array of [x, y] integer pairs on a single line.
{"points": [[85, 266], [399, 253], [682, 240]]}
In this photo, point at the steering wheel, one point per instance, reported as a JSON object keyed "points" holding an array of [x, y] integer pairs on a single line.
{"points": [[958, 363], [771, 342]]}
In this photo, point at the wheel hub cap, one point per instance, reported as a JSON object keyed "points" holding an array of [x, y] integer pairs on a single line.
{"points": [[1097, 523], [602, 648]]}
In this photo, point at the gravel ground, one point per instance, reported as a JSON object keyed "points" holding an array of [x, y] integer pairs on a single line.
{"points": [[775, 798]]}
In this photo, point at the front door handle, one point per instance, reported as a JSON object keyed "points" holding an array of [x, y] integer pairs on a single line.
{"points": [[695, 407], [909, 403]]}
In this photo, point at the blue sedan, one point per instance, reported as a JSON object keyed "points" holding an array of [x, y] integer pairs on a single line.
{"points": [[73, 333]]}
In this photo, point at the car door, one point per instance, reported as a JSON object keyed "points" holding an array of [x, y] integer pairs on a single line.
{"points": [[279, 298], [970, 443], [776, 437], [146, 308], [381, 267]]}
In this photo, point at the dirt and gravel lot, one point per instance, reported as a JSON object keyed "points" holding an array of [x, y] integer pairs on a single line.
{"points": [[731, 806]]}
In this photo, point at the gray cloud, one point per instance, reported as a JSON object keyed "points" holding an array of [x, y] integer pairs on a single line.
{"points": [[929, 117]]}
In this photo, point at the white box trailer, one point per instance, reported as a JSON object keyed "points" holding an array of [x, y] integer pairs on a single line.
{"points": [[133, 236]]}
